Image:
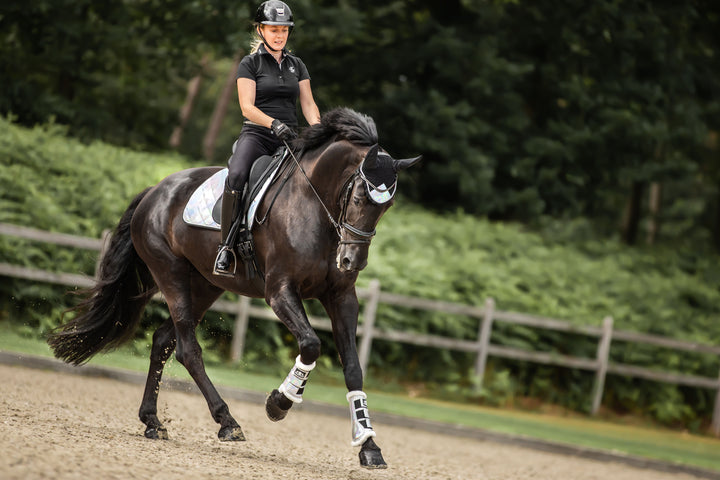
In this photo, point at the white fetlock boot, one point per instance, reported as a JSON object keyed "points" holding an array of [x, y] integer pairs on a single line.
{"points": [[360, 418], [294, 384]]}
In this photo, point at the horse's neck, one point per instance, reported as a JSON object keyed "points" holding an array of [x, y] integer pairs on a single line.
{"points": [[318, 186], [332, 167]]}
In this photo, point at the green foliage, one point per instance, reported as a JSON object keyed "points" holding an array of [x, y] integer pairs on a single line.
{"points": [[462, 259], [499, 389], [540, 112], [565, 273], [534, 108], [52, 183], [112, 70], [521, 109]]}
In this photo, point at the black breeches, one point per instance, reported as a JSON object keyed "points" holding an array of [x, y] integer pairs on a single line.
{"points": [[253, 142]]}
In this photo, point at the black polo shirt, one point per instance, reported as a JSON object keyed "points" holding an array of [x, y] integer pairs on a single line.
{"points": [[276, 85]]}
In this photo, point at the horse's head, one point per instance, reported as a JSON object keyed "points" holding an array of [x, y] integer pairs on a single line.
{"points": [[367, 194]]}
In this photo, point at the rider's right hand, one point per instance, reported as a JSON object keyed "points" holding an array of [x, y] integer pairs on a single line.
{"points": [[282, 131]]}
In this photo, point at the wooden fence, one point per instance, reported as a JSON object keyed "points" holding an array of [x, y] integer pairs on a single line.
{"points": [[482, 347]]}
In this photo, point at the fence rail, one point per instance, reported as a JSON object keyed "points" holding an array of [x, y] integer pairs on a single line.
{"points": [[487, 315]]}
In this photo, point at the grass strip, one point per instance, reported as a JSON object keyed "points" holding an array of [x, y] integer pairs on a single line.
{"points": [[642, 441]]}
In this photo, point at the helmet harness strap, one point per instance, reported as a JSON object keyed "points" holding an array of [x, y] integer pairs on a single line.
{"points": [[265, 42]]}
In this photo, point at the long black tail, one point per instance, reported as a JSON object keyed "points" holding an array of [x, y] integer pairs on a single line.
{"points": [[111, 310]]}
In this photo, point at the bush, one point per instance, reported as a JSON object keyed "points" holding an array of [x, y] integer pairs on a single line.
{"points": [[53, 183]]}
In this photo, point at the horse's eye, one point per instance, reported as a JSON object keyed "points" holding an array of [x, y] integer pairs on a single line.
{"points": [[356, 201]]}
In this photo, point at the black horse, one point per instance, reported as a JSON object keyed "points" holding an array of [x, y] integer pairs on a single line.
{"points": [[314, 240]]}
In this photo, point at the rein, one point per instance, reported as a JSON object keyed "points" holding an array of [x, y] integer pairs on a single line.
{"points": [[340, 224]]}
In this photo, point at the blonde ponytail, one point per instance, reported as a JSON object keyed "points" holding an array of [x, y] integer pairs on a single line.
{"points": [[255, 44]]}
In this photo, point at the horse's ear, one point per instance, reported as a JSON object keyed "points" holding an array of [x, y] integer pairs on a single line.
{"points": [[371, 157], [405, 163]]}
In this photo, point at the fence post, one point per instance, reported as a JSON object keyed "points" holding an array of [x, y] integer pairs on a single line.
{"points": [[484, 340], [716, 412], [368, 324], [241, 323], [106, 236], [603, 354]]}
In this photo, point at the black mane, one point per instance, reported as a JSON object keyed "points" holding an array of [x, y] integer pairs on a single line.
{"points": [[339, 123]]}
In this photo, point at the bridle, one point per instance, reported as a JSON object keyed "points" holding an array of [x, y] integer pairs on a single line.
{"points": [[340, 225], [362, 236]]}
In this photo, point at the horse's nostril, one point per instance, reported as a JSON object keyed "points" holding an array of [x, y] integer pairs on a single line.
{"points": [[346, 263]]}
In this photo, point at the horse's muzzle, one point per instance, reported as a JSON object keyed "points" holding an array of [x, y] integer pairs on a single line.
{"points": [[351, 258]]}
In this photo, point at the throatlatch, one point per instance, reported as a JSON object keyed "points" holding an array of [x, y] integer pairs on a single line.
{"points": [[294, 384], [360, 418]]}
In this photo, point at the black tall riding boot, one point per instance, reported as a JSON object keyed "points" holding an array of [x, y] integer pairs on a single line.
{"points": [[231, 207]]}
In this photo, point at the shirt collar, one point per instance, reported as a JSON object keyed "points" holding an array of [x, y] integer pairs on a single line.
{"points": [[263, 50]]}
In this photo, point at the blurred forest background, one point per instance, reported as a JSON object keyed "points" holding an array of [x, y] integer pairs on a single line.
{"points": [[578, 137], [606, 111]]}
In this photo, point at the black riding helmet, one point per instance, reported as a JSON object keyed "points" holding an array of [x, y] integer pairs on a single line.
{"points": [[274, 12]]}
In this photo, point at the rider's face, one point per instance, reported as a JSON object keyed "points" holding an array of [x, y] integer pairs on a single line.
{"points": [[275, 35]]}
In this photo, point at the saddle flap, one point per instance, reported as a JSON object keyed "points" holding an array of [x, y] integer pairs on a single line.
{"points": [[262, 174]]}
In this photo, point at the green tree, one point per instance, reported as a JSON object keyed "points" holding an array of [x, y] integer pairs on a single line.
{"points": [[113, 70], [524, 109], [430, 75], [614, 97]]}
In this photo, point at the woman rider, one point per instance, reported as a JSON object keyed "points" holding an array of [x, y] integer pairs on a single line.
{"points": [[269, 82]]}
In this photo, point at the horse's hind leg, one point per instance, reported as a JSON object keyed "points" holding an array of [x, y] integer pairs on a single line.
{"points": [[188, 295], [189, 353], [187, 307], [162, 347]]}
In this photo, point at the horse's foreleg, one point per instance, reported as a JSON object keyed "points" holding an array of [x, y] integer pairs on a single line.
{"points": [[162, 347], [344, 314], [287, 305]]}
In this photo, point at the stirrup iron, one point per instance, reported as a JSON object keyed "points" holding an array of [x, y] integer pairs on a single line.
{"points": [[221, 273]]}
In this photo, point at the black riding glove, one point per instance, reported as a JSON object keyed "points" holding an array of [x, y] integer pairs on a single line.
{"points": [[282, 131]]}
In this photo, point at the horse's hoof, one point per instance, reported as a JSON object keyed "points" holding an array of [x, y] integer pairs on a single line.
{"points": [[371, 456], [231, 434], [277, 406], [156, 433]]}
